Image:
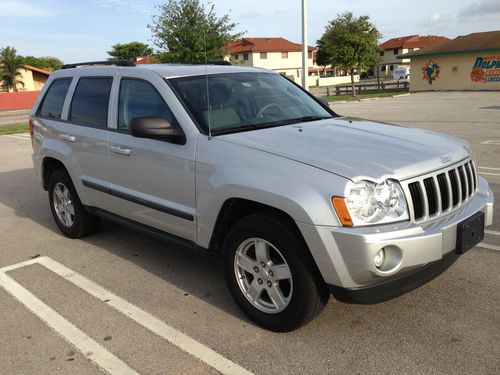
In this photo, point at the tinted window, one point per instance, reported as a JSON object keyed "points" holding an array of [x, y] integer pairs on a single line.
{"points": [[54, 99], [90, 101], [140, 99]]}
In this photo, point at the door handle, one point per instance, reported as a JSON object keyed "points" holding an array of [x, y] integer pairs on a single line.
{"points": [[67, 137], [120, 150]]}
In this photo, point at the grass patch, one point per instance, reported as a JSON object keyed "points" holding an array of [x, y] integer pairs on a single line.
{"points": [[13, 129], [364, 95]]}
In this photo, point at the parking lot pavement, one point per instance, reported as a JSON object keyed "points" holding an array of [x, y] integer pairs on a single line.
{"points": [[121, 300]]}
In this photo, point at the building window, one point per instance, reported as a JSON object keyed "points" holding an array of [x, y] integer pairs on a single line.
{"points": [[383, 68], [245, 56], [284, 55], [396, 51], [263, 55], [236, 57], [391, 68], [381, 53]]}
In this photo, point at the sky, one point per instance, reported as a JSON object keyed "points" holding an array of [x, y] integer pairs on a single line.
{"points": [[84, 30]]}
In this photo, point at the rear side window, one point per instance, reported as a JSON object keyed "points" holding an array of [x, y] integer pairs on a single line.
{"points": [[53, 102], [140, 99], [90, 101]]}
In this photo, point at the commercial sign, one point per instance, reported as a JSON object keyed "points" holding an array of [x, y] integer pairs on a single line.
{"points": [[486, 69]]}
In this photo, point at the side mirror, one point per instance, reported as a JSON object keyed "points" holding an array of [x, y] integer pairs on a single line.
{"points": [[156, 128], [324, 102]]}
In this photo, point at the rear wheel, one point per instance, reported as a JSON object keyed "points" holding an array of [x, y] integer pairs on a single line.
{"points": [[271, 275], [67, 209]]}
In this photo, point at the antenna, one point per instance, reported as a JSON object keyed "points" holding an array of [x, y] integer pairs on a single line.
{"points": [[206, 81]]}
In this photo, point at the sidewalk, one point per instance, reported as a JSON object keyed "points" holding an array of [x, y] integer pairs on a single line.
{"points": [[19, 116]]}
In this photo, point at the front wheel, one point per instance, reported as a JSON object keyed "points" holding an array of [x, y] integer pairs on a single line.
{"points": [[68, 211], [271, 275]]}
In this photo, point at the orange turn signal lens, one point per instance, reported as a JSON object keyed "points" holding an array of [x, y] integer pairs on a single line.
{"points": [[342, 212]]}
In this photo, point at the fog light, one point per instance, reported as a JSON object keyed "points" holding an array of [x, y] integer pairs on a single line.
{"points": [[379, 258]]}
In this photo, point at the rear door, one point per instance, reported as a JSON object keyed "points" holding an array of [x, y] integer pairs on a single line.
{"points": [[152, 181], [84, 130]]}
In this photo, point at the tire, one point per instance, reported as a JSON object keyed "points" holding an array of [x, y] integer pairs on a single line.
{"points": [[69, 214], [303, 292]]}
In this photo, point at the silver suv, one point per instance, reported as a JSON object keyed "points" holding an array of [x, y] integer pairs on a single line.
{"points": [[298, 201]]}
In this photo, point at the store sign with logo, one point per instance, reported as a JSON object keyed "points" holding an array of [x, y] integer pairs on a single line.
{"points": [[486, 69]]}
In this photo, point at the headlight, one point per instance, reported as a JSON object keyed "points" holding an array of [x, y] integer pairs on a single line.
{"points": [[369, 203]]}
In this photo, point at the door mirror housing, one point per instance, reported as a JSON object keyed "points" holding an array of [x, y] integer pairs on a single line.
{"points": [[156, 128], [325, 102]]}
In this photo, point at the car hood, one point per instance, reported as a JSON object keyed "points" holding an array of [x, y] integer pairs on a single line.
{"points": [[357, 149]]}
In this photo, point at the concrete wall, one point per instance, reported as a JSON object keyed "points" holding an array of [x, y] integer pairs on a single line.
{"points": [[332, 81], [455, 72]]}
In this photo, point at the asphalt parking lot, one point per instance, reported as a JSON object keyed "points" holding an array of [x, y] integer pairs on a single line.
{"points": [[132, 304]]}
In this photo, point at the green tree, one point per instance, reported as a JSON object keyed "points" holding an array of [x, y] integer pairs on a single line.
{"points": [[350, 43], [129, 51], [189, 32], [10, 63], [47, 62]]}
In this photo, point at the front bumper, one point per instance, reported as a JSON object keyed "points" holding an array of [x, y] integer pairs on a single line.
{"points": [[344, 256]]}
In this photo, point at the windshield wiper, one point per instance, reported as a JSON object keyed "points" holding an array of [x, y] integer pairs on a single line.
{"points": [[269, 124]]}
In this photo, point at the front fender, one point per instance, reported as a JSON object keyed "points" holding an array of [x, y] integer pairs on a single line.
{"points": [[225, 170]]}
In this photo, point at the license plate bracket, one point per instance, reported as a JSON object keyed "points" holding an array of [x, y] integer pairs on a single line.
{"points": [[470, 232]]}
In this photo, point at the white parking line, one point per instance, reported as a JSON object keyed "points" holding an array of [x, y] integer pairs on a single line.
{"points": [[489, 173], [85, 344], [494, 232], [488, 246], [23, 136], [160, 328], [495, 169], [491, 142]]}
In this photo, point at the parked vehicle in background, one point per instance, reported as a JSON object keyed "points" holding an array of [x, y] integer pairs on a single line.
{"points": [[297, 200], [401, 72]]}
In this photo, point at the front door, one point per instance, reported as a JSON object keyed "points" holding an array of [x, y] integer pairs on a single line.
{"points": [[152, 181]]}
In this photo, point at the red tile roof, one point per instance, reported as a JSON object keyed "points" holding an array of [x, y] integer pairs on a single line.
{"points": [[38, 70], [412, 41], [264, 45], [485, 41]]}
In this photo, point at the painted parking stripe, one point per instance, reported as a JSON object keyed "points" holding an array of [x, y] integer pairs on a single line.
{"points": [[85, 344], [489, 173], [492, 168], [24, 137], [488, 246], [491, 142], [494, 232], [145, 319]]}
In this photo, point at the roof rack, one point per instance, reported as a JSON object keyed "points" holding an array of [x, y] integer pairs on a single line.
{"points": [[218, 62], [98, 63]]}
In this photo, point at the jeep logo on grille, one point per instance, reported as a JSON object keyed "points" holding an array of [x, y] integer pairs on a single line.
{"points": [[445, 159]]}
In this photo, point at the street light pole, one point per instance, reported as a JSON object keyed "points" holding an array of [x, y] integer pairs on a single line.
{"points": [[305, 52]]}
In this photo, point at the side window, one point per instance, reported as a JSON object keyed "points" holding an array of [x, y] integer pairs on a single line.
{"points": [[140, 99], [53, 102], [90, 101]]}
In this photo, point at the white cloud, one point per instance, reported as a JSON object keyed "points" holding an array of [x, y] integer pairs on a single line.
{"points": [[15, 8], [435, 20]]}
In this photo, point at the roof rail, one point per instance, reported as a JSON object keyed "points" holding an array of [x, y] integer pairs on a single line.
{"points": [[98, 63], [218, 62]]}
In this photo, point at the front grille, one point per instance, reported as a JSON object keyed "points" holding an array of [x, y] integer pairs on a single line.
{"points": [[441, 192]]}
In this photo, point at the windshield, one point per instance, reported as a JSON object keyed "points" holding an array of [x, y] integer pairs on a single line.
{"points": [[246, 101]]}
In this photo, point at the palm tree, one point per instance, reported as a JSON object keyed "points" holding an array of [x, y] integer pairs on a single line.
{"points": [[10, 63]]}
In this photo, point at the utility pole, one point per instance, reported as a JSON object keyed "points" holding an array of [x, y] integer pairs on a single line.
{"points": [[305, 49]]}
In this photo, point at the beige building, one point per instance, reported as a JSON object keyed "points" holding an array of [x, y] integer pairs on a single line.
{"points": [[470, 62], [283, 56], [33, 78], [392, 49]]}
